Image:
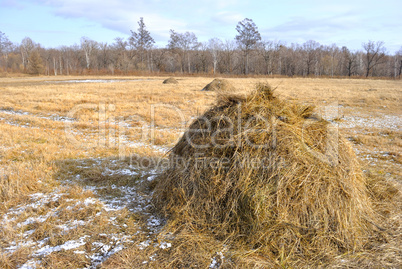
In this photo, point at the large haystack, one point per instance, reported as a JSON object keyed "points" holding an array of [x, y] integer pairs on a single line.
{"points": [[170, 81], [271, 176], [219, 85]]}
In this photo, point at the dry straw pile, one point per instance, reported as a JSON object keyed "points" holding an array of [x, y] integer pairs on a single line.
{"points": [[219, 85], [170, 81], [271, 181]]}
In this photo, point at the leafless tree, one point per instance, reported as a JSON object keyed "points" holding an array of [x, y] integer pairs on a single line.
{"points": [[35, 66], [121, 55], [349, 61], [266, 51], [26, 47], [374, 55], [310, 49], [215, 46], [88, 46], [5, 48], [184, 42], [398, 63], [226, 65], [247, 53]]}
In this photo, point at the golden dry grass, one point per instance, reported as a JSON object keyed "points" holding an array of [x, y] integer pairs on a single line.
{"points": [[66, 172]]}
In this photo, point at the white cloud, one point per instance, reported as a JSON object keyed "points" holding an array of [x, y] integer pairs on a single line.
{"points": [[120, 15], [289, 20], [228, 17]]}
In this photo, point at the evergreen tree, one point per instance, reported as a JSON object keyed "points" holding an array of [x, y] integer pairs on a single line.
{"points": [[141, 40], [247, 38]]}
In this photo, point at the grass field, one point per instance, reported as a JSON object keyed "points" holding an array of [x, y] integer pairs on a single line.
{"points": [[78, 157]]}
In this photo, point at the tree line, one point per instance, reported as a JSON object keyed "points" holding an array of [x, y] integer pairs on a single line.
{"points": [[246, 54]]}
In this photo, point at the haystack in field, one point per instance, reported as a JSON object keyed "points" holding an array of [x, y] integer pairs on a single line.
{"points": [[271, 176], [170, 81], [219, 85]]}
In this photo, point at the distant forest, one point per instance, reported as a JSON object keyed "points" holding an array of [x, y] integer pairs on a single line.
{"points": [[246, 54]]}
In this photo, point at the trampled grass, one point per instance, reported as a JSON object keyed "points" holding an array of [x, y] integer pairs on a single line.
{"points": [[78, 162]]}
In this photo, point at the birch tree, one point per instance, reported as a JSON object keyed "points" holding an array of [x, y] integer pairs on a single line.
{"points": [[215, 46], [26, 47], [88, 46]]}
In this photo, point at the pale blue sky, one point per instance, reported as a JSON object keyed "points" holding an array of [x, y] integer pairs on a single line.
{"points": [[53, 23]]}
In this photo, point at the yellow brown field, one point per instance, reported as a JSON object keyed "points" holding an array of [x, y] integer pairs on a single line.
{"points": [[80, 156]]}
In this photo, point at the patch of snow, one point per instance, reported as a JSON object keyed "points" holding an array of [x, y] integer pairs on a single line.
{"points": [[215, 263], [153, 221], [72, 244], [383, 121], [144, 244], [95, 80], [31, 264], [90, 201], [165, 245], [53, 117]]}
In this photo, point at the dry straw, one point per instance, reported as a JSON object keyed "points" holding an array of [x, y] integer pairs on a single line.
{"points": [[170, 81], [270, 177], [219, 85]]}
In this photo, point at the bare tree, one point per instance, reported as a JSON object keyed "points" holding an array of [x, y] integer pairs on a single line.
{"points": [[215, 46], [349, 61], [310, 50], [35, 66], [398, 63], [202, 58], [26, 47], [122, 57], [333, 52], [5, 48], [88, 45], [185, 43], [227, 62], [374, 55], [247, 38], [266, 50], [103, 56], [159, 59], [142, 41]]}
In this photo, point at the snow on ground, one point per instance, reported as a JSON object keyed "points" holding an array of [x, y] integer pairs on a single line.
{"points": [[129, 198], [14, 118], [392, 122], [96, 80]]}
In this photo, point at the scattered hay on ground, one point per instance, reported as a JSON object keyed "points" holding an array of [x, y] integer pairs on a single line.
{"points": [[219, 85], [170, 81], [272, 181]]}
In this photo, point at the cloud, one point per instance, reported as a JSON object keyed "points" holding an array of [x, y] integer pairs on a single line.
{"points": [[330, 28], [119, 15], [11, 4], [204, 17], [227, 17], [325, 23]]}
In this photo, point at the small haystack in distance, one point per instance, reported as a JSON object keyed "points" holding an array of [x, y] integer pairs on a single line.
{"points": [[219, 85], [170, 81], [271, 180]]}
